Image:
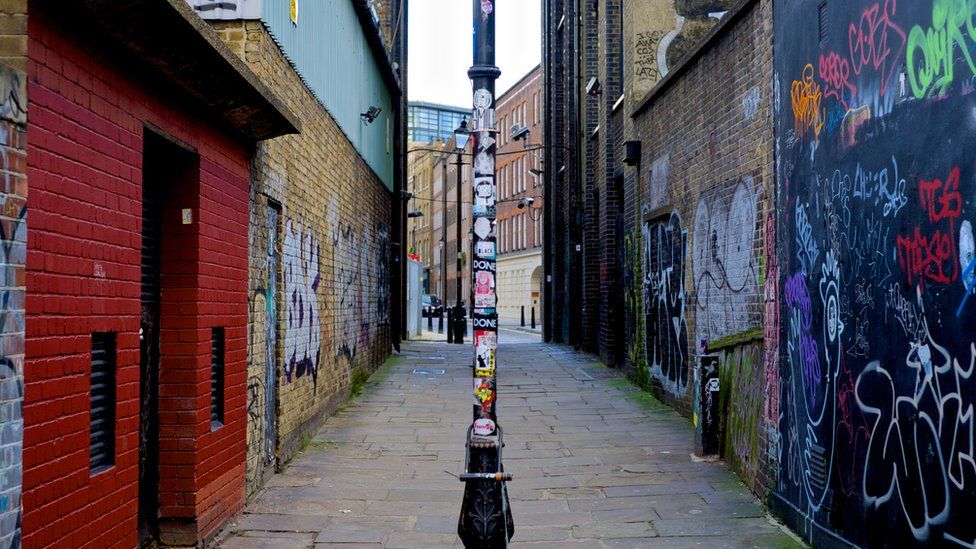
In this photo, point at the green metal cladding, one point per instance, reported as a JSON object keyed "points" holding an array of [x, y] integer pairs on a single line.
{"points": [[330, 51]]}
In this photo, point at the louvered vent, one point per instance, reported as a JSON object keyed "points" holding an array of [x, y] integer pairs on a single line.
{"points": [[822, 17], [217, 378], [102, 443]]}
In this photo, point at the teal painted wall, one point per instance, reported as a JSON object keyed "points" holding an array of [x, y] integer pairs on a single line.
{"points": [[330, 52]]}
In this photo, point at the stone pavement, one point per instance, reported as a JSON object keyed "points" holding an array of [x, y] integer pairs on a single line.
{"points": [[597, 463]]}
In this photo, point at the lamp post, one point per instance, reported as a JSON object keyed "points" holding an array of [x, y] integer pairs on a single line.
{"points": [[461, 137], [450, 335], [486, 519]]}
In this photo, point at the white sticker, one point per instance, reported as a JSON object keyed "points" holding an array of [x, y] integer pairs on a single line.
{"points": [[483, 228], [484, 250], [484, 427]]}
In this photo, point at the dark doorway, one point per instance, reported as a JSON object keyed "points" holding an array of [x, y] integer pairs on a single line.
{"points": [[165, 164]]}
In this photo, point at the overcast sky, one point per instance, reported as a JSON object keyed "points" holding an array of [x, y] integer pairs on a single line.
{"points": [[440, 38]]}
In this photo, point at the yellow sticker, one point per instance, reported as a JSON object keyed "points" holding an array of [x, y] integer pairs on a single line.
{"points": [[294, 12]]}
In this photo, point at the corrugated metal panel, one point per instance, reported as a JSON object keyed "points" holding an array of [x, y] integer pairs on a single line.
{"points": [[331, 53]]}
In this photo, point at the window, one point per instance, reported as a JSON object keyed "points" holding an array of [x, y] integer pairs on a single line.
{"points": [[216, 378], [522, 232], [101, 446], [502, 229], [535, 108], [522, 174]]}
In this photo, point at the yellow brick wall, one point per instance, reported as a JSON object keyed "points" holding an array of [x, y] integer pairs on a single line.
{"points": [[334, 260], [13, 34]]}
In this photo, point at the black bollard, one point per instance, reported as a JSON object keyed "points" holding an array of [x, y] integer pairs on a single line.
{"points": [[533, 318], [523, 316], [460, 326], [450, 325], [440, 323], [430, 321]]}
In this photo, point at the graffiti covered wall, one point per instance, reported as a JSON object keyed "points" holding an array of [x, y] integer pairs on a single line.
{"points": [[695, 263], [875, 126], [320, 266]]}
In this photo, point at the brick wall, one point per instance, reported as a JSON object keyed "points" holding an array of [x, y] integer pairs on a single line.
{"points": [[697, 224], [85, 159], [334, 263]]}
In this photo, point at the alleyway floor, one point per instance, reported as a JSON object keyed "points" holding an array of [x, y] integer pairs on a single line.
{"points": [[597, 463]]}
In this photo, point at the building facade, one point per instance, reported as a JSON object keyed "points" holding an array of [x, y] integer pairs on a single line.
{"points": [[141, 126], [324, 211], [519, 173], [445, 226], [422, 167], [768, 186], [155, 371], [430, 122]]}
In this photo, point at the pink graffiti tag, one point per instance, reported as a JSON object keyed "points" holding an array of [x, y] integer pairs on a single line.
{"points": [[876, 42], [835, 72], [933, 255]]}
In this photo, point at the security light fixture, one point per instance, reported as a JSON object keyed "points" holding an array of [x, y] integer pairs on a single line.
{"points": [[593, 87], [371, 114], [461, 135], [520, 132]]}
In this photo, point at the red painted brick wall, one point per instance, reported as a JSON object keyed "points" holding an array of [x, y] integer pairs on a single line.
{"points": [[87, 119]]}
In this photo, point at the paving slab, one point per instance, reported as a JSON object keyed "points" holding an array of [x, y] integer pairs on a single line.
{"points": [[593, 467]]}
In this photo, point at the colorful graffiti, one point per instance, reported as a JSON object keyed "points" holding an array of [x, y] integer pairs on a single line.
{"points": [[876, 264]]}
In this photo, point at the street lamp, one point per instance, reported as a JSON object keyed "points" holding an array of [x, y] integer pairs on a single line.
{"points": [[461, 136]]}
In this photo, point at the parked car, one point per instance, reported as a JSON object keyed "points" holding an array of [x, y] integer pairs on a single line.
{"points": [[432, 306]]}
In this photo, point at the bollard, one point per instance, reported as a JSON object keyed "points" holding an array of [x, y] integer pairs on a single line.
{"points": [[523, 316], [440, 323], [430, 321], [460, 326], [450, 325], [533, 318]]}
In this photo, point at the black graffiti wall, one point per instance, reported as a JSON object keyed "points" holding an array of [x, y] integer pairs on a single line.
{"points": [[876, 164]]}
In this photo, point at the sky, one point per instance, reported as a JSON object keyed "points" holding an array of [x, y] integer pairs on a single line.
{"points": [[440, 42]]}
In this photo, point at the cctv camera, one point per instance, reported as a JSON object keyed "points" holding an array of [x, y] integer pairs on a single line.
{"points": [[529, 201], [593, 87], [520, 132]]}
